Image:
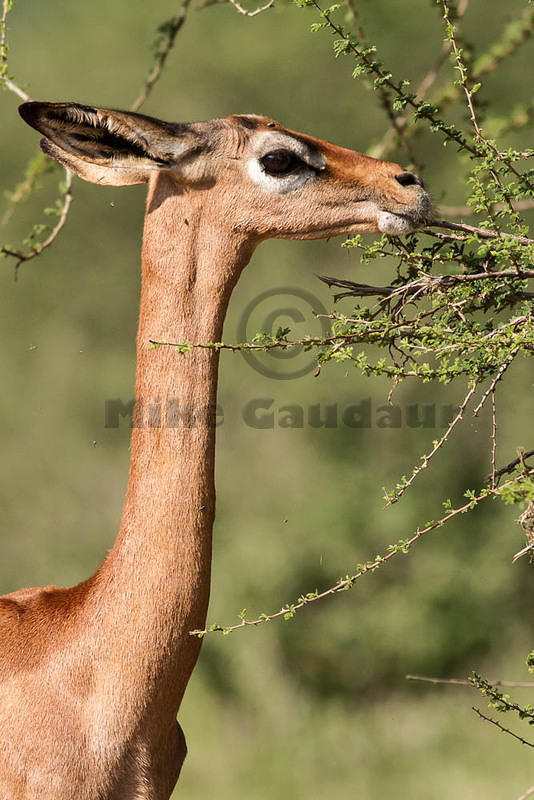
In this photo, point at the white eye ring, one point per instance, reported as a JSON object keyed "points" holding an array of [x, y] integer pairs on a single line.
{"points": [[307, 162]]}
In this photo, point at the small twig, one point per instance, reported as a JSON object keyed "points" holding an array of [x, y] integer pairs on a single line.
{"points": [[16, 89], [500, 701], [486, 64], [465, 682], [3, 33], [493, 439], [422, 110], [523, 552], [437, 446], [254, 13], [495, 381], [482, 232], [21, 191], [207, 3], [8, 83], [469, 92], [356, 289], [345, 338], [509, 467], [21, 257], [520, 154], [384, 145], [171, 30], [527, 794], [397, 124], [501, 727], [463, 72], [6, 7], [425, 284]]}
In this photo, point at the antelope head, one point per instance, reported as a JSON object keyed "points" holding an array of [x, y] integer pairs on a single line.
{"points": [[269, 182]]}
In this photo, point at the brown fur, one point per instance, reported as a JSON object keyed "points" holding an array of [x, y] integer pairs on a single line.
{"points": [[91, 677]]}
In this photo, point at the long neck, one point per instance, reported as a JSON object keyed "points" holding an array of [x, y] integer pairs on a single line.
{"points": [[158, 573]]}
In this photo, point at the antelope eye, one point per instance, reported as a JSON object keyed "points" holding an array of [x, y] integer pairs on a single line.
{"points": [[279, 162]]}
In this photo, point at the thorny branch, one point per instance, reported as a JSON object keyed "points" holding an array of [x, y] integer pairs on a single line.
{"points": [[501, 727], [514, 35], [425, 459], [168, 30], [39, 248], [25, 188], [4, 78], [343, 584], [256, 11], [483, 233], [365, 57], [396, 124], [460, 66], [466, 682], [470, 88], [425, 284], [511, 466], [491, 389], [496, 698], [401, 122], [493, 439], [237, 6]]}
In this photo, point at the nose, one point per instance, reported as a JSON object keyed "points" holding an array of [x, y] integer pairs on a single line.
{"points": [[409, 179]]}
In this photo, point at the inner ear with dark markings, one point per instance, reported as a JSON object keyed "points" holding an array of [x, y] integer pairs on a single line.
{"points": [[102, 145], [118, 140]]}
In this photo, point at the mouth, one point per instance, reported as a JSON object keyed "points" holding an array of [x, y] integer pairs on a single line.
{"points": [[395, 223]]}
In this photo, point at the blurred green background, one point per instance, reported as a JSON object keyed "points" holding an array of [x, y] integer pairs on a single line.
{"points": [[319, 705]]}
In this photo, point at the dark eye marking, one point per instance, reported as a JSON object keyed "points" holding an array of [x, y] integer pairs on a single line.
{"points": [[280, 162]]}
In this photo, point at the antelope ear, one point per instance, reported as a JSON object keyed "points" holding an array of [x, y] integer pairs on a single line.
{"points": [[113, 148]]}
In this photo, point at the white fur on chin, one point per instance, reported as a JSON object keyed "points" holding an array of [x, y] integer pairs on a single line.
{"points": [[393, 225]]}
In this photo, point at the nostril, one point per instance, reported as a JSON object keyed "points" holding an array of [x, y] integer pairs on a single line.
{"points": [[408, 179]]}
